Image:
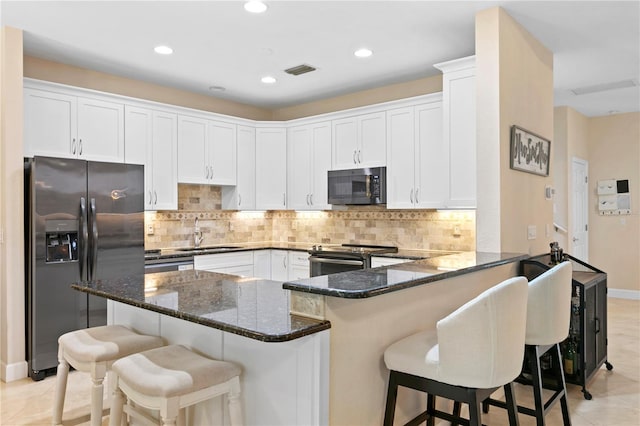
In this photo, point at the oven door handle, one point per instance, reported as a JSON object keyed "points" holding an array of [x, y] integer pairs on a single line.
{"points": [[336, 261]]}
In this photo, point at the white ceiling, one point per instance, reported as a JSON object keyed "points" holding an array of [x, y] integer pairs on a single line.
{"points": [[217, 43]]}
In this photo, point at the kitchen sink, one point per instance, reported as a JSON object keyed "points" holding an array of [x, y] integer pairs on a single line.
{"points": [[193, 249]]}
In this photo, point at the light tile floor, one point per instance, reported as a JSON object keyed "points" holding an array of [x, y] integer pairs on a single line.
{"points": [[616, 393]]}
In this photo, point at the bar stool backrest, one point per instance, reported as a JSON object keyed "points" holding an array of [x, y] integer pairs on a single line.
{"points": [[549, 306], [481, 344]]}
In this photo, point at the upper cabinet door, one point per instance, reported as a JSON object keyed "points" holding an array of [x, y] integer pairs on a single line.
{"points": [[221, 153], [100, 130], [299, 163], [192, 140], [359, 141], [345, 143], [459, 131], [271, 169], [372, 137], [321, 163], [49, 124], [164, 165], [401, 156], [138, 140], [432, 152], [243, 195]]}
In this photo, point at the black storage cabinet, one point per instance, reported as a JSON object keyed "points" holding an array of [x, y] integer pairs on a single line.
{"points": [[588, 327]]}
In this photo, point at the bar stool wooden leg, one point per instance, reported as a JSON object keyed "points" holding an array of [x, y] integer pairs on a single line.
{"points": [[431, 408], [536, 378], [97, 392], [512, 407], [235, 407], [392, 395], [61, 388], [117, 404]]}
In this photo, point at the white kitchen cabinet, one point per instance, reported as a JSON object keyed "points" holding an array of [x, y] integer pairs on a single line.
{"points": [[151, 139], [417, 166], [298, 265], [359, 141], [459, 131], [68, 126], [207, 151], [271, 169], [262, 264], [243, 195], [308, 160], [279, 265], [237, 263]]}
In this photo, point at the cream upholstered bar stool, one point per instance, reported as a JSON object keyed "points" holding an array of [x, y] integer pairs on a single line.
{"points": [[472, 352], [548, 316], [92, 351], [170, 379]]}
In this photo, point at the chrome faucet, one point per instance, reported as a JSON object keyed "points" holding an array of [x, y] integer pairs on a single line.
{"points": [[197, 235]]}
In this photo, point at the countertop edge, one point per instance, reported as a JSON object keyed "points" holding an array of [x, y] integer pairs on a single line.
{"points": [[363, 294], [262, 337]]}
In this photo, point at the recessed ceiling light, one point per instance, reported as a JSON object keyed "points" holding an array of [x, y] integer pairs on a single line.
{"points": [[163, 50], [363, 53], [268, 79], [255, 6]]}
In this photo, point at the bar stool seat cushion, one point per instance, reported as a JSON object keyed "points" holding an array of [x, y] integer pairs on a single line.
{"points": [[106, 343], [417, 354], [154, 372]]}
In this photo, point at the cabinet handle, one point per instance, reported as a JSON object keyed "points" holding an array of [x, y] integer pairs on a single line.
{"points": [[155, 197], [411, 196], [284, 198], [597, 324], [284, 262], [210, 172], [359, 156], [311, 199], [150, 197], [73, 146], [79, 146], [307, 199], [417, 192], [354, 156], [239, 200]]}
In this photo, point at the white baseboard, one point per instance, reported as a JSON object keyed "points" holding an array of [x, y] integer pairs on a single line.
{"points": [[13, 372], [623, 294]]}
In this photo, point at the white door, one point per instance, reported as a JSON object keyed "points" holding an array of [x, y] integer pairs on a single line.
{"points": [[321, 136], [344, 141], [192, 139], [580, 213], [299, 165], [49, 124], [271, 169], [100, 130], [138, 149], [163, 161], [432, 150], [222, 153], [400, 158]]}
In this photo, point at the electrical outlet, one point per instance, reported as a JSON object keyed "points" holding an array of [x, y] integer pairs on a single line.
{"points": [[150, 229], [531, 232], [456, 231]]}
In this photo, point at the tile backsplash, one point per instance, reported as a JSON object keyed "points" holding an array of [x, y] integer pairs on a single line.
{"points": [[408, 229]]}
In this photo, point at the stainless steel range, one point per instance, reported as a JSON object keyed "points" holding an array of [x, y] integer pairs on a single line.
{"points": [[331, 259]]}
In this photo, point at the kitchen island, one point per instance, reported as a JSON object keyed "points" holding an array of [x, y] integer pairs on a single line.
{"points": [[284, 357], [295, 370]]}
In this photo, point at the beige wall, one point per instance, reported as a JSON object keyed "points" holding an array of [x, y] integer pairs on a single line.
{"points": [[366, 97], [42, 69], [614, 241], [523, 96], [12, 343], [560, 166]]}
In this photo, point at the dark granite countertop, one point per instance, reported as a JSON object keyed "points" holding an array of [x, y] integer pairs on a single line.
{"points": [[385, 279], [178, 252], [250, 307]]}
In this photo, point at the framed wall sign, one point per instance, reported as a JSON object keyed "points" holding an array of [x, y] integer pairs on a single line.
{"points": [[529, 152]]}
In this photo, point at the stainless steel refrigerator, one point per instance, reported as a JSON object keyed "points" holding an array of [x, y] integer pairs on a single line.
{"points": [[83, 221]]}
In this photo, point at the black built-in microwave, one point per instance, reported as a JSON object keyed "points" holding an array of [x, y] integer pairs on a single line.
{"points": [[358, 186]]}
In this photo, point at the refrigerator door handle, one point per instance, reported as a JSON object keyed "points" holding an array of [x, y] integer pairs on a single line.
{"points": [[84, 242], [93, 261]]}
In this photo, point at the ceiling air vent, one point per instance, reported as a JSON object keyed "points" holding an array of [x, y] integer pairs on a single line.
{"points": [[604, 87], [300, 69]]}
